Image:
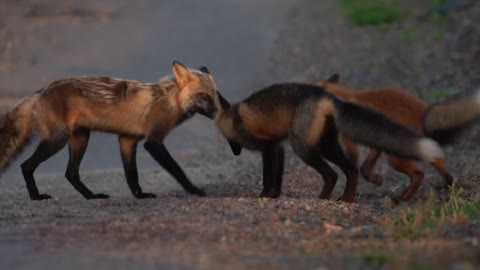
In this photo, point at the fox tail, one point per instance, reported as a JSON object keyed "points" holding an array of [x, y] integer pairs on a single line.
{"points": [[445, 121], [16, 130], [377, 131]]}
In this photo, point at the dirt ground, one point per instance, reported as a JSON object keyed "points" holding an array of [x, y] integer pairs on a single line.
{"points": [[231, 227]]}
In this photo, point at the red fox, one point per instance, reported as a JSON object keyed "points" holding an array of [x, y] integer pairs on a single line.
{"points": [[311, 119], [67, 110], [404, 109]]}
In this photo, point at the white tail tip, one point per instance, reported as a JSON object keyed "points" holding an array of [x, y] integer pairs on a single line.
{"points": [[429, 150]]}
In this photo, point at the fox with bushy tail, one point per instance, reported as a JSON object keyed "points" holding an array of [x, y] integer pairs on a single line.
{"points": [[311, 119], [67, 111], [400, 107]]}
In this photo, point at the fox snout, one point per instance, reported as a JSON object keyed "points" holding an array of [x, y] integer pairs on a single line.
{"points": [[204, 105]]}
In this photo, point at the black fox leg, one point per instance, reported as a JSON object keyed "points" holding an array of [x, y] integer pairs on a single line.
{"points": [[333, 152], [161, 155], [128, 152], [45, 150], [77, 144], [279, 166], [314, 158], [268, 164]]}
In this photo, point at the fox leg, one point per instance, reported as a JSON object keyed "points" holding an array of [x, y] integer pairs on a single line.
{"points": [[77, 144], [128, 153], [332, 151], [160, 154], [408, 167], [313, 157], [272, 160], [367, 168], [46, 149], [439, 164], [279, 167], [351, 149], [308, 148]]}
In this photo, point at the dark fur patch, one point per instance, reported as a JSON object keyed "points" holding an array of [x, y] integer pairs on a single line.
{"points": [[9, 133]]}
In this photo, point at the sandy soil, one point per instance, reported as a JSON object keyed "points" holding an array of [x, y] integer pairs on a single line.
{"points": [[231, 227]]}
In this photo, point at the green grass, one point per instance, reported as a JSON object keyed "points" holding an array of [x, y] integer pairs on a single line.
{"points": [[372, 12], [437, 2], [442, 92], [383, 12], [421, 221]]}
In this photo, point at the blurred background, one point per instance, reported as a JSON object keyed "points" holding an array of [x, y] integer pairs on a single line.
{"points": [[430, 48], [427, 47]]}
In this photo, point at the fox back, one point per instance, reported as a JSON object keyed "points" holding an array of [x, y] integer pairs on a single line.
{"points": [[397, 105], [268, 114]]}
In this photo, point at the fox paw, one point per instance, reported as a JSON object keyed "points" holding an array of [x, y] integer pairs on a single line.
{"points": [[145, 195], [198, 192], [98, 196], [266, 193], [346, 199], [40, 197], [376, 179], [275, 193]]}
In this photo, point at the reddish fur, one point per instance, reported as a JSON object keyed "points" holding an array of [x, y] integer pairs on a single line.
{"points": [[68, 109], [400, 107]]}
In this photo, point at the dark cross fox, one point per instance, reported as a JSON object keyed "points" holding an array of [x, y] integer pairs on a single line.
{"points": [[67, 110], [311, 119]]}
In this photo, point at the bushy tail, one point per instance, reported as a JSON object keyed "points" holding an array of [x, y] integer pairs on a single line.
{"points": [[15, 132], [445, 121], [377, 131]]}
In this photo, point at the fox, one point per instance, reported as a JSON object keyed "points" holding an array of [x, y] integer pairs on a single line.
{"points": [[68, 110], [446, 121], [400, 107], [311, 119]]}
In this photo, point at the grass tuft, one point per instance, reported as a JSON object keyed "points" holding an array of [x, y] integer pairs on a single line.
{"points": [[427, 219], [372, 12]]}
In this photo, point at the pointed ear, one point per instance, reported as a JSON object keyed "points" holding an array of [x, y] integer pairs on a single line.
{"points": [[204, 69], [182, 75], [335, 78]]}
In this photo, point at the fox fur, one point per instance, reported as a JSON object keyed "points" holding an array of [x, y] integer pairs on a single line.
{"points": [[445, 121], [67, 110], [311, 118], [399, 106]]}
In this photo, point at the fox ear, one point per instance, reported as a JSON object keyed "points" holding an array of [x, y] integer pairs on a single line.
{"points": [[182, 75], [204, 69], [335, 78]]}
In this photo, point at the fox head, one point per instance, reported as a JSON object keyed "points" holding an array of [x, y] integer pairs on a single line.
{"points": [[197, 91], [228, 124]]}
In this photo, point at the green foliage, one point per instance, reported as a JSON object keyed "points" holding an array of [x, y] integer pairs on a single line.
{"points": [[442, 92], [384, 12], [437, 2], [421, 221], [372, 12]]}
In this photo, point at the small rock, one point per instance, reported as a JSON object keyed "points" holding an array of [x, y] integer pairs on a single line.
{"points": [[287, 223], [330, 228]]}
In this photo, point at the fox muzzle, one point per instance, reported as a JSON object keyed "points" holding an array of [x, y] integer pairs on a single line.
{"points": [[205, 105]]}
